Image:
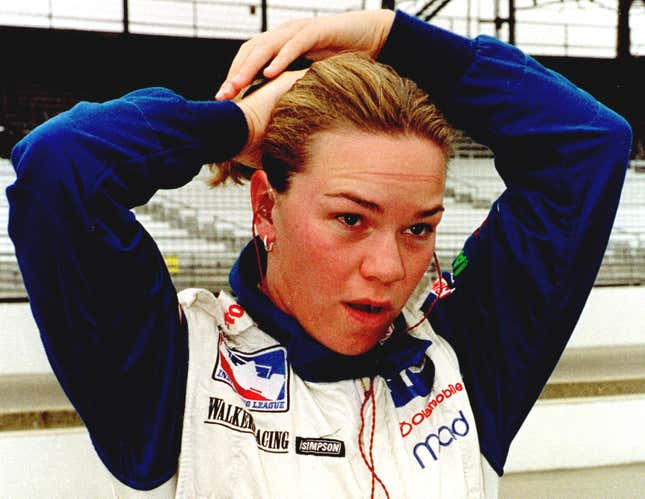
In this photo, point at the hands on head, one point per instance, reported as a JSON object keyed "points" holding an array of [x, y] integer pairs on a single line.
{"points": [[315, 38]]}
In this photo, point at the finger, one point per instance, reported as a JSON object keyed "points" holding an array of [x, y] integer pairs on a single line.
{"points": [[243, 65], [251, 66], [266, 46], [254, 54], [246, 66], [301, 43], [240, 57], [270, 40], [227, 90]]}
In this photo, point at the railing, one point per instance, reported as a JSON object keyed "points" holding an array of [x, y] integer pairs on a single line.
{"points": [[240, 19], [194, 18], [549, 38]]}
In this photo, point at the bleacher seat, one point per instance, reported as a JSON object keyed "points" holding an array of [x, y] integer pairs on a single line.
{"points": [[201, 230]]}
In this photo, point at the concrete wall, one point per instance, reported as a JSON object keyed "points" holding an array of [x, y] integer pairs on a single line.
{"points": [[613, 316], [48, 464], [556, 436]]}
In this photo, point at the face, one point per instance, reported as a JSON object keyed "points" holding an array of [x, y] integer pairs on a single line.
{"points": [[354, 234]]}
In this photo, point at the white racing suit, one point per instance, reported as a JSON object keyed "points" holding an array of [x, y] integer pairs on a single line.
{"points": [[254, 428]]}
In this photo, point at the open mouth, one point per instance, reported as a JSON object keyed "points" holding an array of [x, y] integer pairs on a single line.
{"points": [[363, 307]]}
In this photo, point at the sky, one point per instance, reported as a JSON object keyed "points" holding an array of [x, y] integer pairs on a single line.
{"points": [[555, 27]]}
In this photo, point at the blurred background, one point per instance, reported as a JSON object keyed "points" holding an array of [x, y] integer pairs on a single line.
{"points": [[585, 437]]}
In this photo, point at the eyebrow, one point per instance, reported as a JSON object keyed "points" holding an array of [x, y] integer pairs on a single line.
{"points": [[372, 206]]}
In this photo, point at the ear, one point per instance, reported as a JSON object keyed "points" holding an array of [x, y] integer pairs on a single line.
{"points": [[262, 203]]}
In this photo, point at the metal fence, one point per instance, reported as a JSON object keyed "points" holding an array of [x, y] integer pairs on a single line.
{"points": [[543, 28]]}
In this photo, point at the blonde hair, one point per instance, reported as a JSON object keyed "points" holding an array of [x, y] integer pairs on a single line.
{"points": [[345, 91]]}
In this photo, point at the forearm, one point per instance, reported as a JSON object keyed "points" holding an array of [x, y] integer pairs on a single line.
{"points": [[500, 96], [149, 139]]}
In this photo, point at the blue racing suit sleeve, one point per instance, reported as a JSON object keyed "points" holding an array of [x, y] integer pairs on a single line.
{"points": [[99, 290], [525, 274]]}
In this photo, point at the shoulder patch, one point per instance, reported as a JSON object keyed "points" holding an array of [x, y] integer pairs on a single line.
{"points": [[441, 288], [261, 378], [459, 263]]}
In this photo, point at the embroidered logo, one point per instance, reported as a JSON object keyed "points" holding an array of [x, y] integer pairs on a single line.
{"points": [[434, 402], [235, 418], [412, 382], [320, 447], [261, 378], [233, 313], [459, 263], [441, 288], [445, 435]]}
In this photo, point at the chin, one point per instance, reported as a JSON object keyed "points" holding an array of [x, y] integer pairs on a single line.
{"points": [[356, 347], [347, 339]]}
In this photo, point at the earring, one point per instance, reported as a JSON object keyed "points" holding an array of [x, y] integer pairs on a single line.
{"points": [[268, 245]]}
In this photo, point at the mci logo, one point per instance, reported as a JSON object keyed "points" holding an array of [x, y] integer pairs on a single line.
{"points": [[260, 378]]}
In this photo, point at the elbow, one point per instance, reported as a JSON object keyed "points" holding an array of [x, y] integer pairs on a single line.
{"points": [[37, 157], [618, 136], [622, 131]]}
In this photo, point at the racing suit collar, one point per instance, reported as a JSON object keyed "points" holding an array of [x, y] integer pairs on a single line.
{"points": [[311, 360]]}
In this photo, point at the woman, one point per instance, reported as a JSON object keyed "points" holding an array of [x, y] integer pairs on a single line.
{"points": [[321, 378]]}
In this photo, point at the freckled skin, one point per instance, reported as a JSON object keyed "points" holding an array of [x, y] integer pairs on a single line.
{"points": [[350, 229]]}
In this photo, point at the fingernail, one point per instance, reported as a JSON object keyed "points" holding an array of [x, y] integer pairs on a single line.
{"points": [[224, 89]]}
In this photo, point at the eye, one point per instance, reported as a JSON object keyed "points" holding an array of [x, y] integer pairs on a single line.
{"points": [[420, 230], [349, 219]]}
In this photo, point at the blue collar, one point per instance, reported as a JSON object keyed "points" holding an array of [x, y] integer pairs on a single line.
{"points": [[309, 359]]}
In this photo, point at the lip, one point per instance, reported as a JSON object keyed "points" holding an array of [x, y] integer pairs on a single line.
{"points": [[368, 318], [381, 304]]}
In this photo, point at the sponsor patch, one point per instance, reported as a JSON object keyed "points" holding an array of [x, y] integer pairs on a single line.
{"points": [[236, 418], [459, 263], [320, 447], [233, 313], [261, 378], [434, 402], [441, 288], [412, 382], [443, 437]]}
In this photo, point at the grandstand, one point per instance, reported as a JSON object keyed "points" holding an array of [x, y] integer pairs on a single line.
{"points": [[200, 230], [11, 286]]}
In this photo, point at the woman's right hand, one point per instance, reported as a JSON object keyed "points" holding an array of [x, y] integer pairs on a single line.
{"points": [[316, 38], [257, 108]]}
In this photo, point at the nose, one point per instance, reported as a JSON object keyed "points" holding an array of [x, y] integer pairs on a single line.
{"points": [[382, 260]]}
